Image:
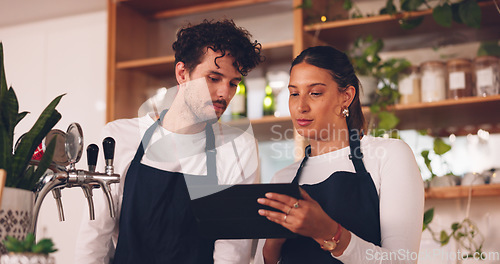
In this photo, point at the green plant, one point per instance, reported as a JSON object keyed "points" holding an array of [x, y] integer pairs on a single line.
{"points": [[387, 72], [365, 58], [465, 233], [16, 161], [28, 245], [491, 48], [444, 13], [439, 148], [364, 55]]}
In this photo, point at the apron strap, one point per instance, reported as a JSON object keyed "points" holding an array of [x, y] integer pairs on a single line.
{"points": [[356, 155], [307, 153], [210, 150], [147, 137]]}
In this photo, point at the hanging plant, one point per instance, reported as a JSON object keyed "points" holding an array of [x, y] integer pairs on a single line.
{"points": [[444, 13]]}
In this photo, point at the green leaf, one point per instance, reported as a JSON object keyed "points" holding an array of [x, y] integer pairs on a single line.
{"points": [[470, 13], [422, 132], [442, 15], [388, 120], [28, 242], [411, 5], [44, 246], [389, 8], [428, 216], [455, 226], [306, 4], [3, 80], [32, 139], [347, 5], [444, 238], [440, 147], [411, 23], [455, 14], [489, 48], [374, 108], [425, 155]]}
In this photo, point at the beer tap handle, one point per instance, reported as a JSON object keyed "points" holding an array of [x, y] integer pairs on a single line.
{"points": [[92, 152], [109, 197], [57, 195], [87, 191], [108, 145]]}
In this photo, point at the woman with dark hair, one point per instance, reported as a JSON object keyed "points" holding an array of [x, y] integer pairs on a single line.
{"points": [[362, 197]]}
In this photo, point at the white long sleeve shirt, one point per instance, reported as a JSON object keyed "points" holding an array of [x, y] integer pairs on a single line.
{"points": [[236, 162], [397, 178]]}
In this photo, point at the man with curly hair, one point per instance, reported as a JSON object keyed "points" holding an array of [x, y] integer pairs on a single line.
{"points": [[160, 158]]}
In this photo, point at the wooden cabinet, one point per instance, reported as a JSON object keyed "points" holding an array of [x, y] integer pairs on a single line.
{"points": [[460, 116], [140, 37]]}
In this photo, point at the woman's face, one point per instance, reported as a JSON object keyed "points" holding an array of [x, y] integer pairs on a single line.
{"points": [[315, 103]]}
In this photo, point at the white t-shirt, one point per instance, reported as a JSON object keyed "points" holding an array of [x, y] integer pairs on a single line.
{"points": [[397, 178], [236, 162]]}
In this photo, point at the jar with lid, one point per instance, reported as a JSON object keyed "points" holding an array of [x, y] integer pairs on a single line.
{"points": [[487, 75], [460, 82], [433, 87], [409, 85]]}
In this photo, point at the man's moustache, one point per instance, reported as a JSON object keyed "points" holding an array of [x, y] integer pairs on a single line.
{"points": [[221, 102]]}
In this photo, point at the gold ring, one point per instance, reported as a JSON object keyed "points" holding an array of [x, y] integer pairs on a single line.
{"points": [[284, 218], [288, 212], [296, 204]]}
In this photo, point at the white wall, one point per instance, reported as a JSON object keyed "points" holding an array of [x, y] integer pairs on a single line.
{"points": [[46, 59]]}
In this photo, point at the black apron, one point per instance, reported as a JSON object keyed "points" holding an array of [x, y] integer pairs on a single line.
{"points": [[157, 224], [348, 198]]}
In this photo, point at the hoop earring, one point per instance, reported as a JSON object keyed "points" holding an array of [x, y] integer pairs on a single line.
{"points": [[345, 112]]}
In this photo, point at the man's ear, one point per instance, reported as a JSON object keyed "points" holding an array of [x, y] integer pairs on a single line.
{"points": [[181, 73], [348, 95]]}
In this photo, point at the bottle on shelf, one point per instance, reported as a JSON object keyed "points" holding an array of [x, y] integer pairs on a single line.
{"points": [[239, 102], [487, 75], [268, 103], [460, 82], [409, 86], [433, 81]]}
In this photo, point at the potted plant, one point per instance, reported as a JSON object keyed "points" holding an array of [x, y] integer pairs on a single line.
{"points": [[364, 56], [18, 196], [28, 251]]}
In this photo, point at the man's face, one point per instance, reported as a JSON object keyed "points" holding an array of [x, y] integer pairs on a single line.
{"points": [[221, 80]]}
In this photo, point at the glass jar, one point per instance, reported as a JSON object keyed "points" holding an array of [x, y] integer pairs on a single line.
{"points": [[460, 82], [487, 75], [409, 85], [433, 87]]}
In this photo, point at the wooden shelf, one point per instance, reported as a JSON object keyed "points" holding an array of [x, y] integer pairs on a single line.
{"points": [[165, 9], [341, 33], [164, 65], [460, 116], [487, 190]]}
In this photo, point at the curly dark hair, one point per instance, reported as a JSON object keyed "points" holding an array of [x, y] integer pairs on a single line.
{"points": [[223, 36]]}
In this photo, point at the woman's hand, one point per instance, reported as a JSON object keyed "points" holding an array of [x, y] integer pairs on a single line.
{"points": [[304, 217]]}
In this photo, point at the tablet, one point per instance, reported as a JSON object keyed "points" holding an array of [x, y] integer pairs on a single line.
{"points": [[232, 213]]}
